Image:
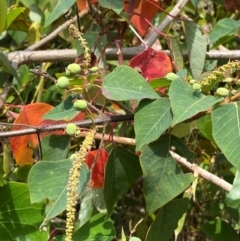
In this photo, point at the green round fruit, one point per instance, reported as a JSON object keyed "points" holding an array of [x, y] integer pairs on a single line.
{"points": [[80, 105], [228, 80], [94, 69], [73, 69], [63, 82], [192, 81], [222, 91], [73, 156], [71, 129], [196, 86], [171, 76]]}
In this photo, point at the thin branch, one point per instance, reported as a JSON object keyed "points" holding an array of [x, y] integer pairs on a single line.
{"points": [[150, 40], [84, 123], [203, 173], [116, 139], [54, 34]]}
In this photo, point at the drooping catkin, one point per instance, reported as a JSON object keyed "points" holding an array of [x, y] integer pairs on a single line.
{"points": [[73, 182], [74, 32]]}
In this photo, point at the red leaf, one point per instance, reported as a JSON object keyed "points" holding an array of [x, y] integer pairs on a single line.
{"points": [[146, 10], [153, 64], [97, 175], [232, 5]]}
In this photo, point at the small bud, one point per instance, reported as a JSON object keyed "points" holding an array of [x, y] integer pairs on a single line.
{"points": [[228, 80], [94, 69], [71, 129], [192, 81], [80, 105], [222, 91], [171, 76], [63, 82], [196, 86]]}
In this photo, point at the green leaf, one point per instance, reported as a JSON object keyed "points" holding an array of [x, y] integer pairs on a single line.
{"points": [[167, 219], [197, 48], [152, 118], [7, 66], [134, 239], [205, 127], [12, 15], [233, 197], [61, 7], [163, 179], [19, 219], [182, 73], [3, 15], [159, 83], [176, 53], [219, 230], [64, 111], [125, 83], [86, 207], [49, 179], [115, 5], [194, 3], [181, 130], [55, 147], [99, 228], [224, 27], [226, 131], [121, 171], [186, 103]]}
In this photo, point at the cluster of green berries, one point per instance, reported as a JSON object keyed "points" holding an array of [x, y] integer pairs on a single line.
{"points": [[221, 91], [72, 70]]}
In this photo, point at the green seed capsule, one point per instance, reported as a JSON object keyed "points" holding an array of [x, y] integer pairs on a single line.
{"points": [[63, 82], [222, 91], [71, 129], [228, 80], [192, 81], [73, 69], [80, 105], [171, 76], [94, 69], [196, 86]]}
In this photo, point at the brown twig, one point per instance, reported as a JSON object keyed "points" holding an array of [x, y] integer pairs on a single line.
{"points": [[69, 55], [150, 40], [54, 33], [84, 123], [203, 173], [117, 139]]}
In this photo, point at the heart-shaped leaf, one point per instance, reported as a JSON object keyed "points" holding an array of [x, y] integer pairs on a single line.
{"points": [[152, 118], [186, 103], [125, 83], [163, 179], [226, 131], [48, 180]]}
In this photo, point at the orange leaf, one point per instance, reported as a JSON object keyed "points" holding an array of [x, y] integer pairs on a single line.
{"points": [[153, 64], [97, 175], [146, 10], [83, 4], [23, 146]]}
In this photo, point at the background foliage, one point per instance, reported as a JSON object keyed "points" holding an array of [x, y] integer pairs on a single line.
{"points": [[146, 193]]}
